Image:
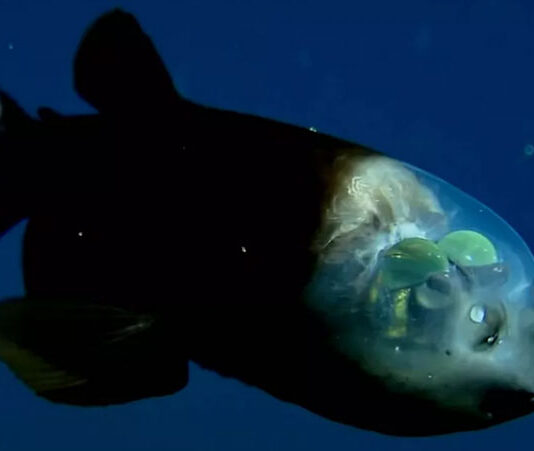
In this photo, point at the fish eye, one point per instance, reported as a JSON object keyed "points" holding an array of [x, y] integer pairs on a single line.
{"points": [[411, 262], [467, 248], [475, 259]]}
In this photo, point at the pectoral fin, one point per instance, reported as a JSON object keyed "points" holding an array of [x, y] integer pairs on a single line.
{"points": [[85, 354]]}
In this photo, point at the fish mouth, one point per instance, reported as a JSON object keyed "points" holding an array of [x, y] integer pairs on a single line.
{"points": [[502, 404]]}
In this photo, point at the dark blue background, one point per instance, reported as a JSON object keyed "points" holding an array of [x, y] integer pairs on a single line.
{"points": [[445, 85]]}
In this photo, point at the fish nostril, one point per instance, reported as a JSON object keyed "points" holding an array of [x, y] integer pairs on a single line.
{"points": [[504, 404]]}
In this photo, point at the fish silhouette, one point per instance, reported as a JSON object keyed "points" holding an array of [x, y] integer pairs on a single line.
{"points": [[160, 231]]}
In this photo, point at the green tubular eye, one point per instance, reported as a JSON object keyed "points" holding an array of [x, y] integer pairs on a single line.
{"points": [[468, 248], [410, 262]]}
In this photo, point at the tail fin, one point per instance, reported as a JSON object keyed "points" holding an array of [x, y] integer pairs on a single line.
{"points": [[17, 131], [70, 351], [12, 116], [118, 70]]}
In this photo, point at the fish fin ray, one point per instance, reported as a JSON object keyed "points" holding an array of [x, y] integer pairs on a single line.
{"points": [[85, 354]]}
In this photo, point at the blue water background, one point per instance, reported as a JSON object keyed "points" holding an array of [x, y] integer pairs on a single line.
{"points": [[444, 85]]}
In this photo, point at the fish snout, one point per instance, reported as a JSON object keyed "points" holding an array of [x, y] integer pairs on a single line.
{"points": [[502, 404]]}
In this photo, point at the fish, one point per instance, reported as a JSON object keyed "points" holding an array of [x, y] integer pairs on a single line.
{"points": [[160, 232]]}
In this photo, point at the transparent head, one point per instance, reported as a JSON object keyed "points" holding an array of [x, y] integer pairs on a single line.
{"points": [[432, 296]]}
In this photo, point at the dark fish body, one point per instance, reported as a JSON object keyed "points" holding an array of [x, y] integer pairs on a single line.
{"points": [[162, 232]]}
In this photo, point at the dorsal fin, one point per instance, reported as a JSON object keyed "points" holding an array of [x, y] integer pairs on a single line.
{"points": [[118, 71]]}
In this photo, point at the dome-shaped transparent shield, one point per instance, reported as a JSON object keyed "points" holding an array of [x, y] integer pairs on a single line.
{"points": [[423, 285]]}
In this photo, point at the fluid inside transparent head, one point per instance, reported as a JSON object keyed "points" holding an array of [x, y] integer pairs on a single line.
{"points": [[453, 284]]}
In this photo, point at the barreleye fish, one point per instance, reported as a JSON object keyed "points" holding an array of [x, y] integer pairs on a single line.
{"points": [[160, 232]]}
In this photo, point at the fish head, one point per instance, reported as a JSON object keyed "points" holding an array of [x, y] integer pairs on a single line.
{"points": [[430, 293]]}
